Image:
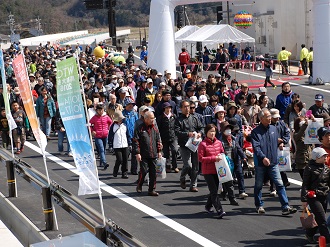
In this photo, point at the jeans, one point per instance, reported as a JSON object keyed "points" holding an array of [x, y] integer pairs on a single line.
{"points": [[101, 146], [173, 147], [61, 135], [212, 182], [238, 169], [284, 180], [318, 206], [148, 165], [274, 174], [189, 168], [121, 159], [45, 125]]}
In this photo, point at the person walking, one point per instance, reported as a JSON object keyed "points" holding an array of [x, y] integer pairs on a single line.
{"points": [[100, 124], [314, 192], [269, 74], [147, 147], [185, 126], [310, 61], [283, 57], [209, 152], [119, 141], [265, 143]]}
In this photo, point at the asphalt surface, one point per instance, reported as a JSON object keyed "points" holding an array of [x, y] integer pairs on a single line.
{"points": [[176, 217]]}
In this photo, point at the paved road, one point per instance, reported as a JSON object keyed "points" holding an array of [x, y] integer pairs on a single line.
{"points": [[176, 217]]}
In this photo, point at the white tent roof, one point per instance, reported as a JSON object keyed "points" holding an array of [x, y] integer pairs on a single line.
{"points": [[185, 32], [218, 34]]}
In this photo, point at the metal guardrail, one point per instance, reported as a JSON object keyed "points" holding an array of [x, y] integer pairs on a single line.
{"points": [[110, 234]]}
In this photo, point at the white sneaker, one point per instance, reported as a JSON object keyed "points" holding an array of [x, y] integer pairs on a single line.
{"points": [[62, 153], [70, 154], [273, 193], [261, 210], [243, 195]]}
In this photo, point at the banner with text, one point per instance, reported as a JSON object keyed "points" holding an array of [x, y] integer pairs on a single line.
{"points": [[11, 122], [73, 116], [23, 82]]}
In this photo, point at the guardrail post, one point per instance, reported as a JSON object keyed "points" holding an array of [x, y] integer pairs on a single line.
{"points": [[48, 208], [11, 180], [100, 233]]}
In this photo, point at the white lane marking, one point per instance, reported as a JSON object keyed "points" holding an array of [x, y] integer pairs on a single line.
{"points": [[134, 203], [294, 181], [292, 83]]}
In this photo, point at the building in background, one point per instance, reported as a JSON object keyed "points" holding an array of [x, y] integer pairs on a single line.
{"points": [[276, 23]]}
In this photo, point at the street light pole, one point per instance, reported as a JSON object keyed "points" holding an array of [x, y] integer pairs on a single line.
{"points": [[112, 22], [228, 13]]}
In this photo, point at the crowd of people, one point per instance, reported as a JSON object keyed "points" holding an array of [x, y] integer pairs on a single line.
{"points": [[146, 114]]}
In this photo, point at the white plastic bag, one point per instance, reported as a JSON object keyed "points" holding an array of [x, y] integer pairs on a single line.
{"points": [[193, 142], [311, 136], [284, 159], [223, 170], [161, 167]]}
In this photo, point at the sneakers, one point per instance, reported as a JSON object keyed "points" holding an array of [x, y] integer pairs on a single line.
{"points": [[138, 189], [273, 193], [62, 153], [274, 87], [310, 239], [105, 166], [183, 183], [193, 189], [243, 195], [289, 210], [221, 214], [176, 170], [261, 210], [125, 176], [209, 210], [70, 154], [18, 152]]}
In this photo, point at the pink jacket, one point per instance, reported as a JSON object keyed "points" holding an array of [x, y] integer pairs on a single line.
{"points": [[207, 152], [101, 125], [233, 93]]}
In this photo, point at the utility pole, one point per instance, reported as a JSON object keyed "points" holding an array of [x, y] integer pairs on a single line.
{"points": [[228, 13], [112, 22]]}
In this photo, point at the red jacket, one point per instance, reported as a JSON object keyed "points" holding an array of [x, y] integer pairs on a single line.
{"points": [[184, 58], [101, 125], [207, 152]]}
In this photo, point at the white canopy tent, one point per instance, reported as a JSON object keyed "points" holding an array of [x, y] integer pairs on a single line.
{"points": [[181, 34], [211, 34]]}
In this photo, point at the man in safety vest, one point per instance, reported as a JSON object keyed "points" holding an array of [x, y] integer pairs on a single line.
{"points": [[310, 61], [303, 58], [283, 57]]}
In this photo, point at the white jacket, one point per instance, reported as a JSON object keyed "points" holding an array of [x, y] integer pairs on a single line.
{"points": [[120, 139]]}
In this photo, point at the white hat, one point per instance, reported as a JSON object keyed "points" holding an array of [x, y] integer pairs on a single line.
{"points": [[275, 113], [219, 108], [159, 74], [123, 90], [262, 90], [162, 84], [318, 153], [188, 71], [203, 99], [149, 80], [193, 99]]}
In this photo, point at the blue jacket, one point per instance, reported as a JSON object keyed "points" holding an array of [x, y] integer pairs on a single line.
{"points": [[130, 118], [207, 114], [40, 107], [282, 102], [283, 131], [264, 143]]}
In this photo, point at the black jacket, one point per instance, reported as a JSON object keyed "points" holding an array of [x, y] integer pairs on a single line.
{"points": [[147, 141], [166, 127], [317, 178], [184, 125]]}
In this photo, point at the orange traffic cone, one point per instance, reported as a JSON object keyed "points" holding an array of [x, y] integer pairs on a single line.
{"points": [[300, 71]]}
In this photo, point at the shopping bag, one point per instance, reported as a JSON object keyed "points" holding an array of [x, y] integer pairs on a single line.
{"points": [[309, 221], [311, 136], [223, 170], [161, 167], [284, 159], [193, 142]]}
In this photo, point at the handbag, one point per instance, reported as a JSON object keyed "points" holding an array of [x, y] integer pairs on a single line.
{"points": [[161, 167], [193, 142], [284, 159], [309, 221], [311, 136], [223, 170]]}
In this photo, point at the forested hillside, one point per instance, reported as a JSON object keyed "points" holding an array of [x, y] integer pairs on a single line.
{"points": [[71, 15]]}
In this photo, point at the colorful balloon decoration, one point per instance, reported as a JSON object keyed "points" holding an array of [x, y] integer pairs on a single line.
{"points": [[99, 52], [243, 19]]}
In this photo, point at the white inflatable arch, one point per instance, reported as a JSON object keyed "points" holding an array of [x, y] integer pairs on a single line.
{"points": [[161, 49]]}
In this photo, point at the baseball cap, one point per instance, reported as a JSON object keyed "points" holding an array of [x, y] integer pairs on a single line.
{"points": [[149, 80], [193, 99], [129, 101], [318, 153], [188, 71], [275, 113], [217, 76], [143, 108], [319, 97], [262, 90], [203, 99], [322, 132]]}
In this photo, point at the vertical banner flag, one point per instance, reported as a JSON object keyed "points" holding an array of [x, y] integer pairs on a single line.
{"points": [[26, 94], [73, 116], [11, 121]]}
